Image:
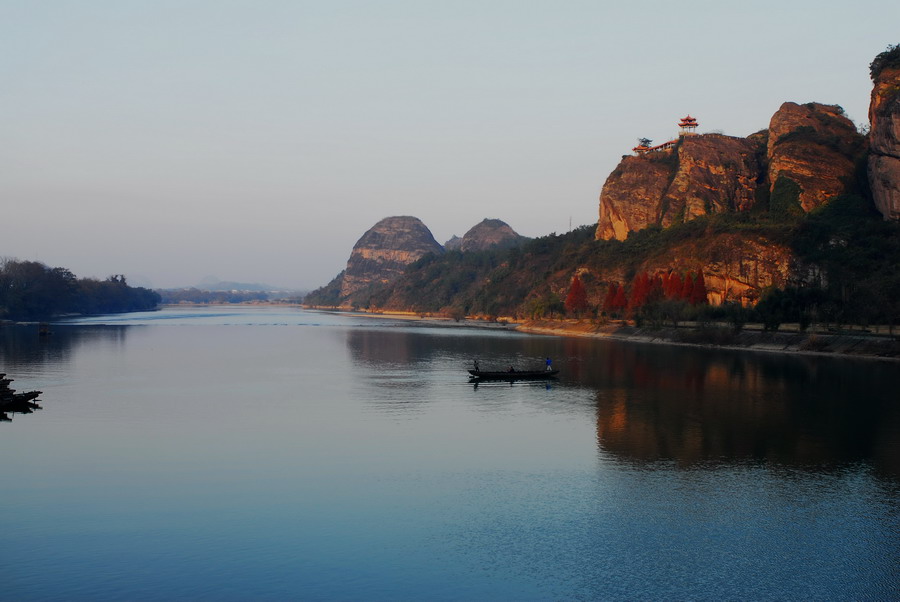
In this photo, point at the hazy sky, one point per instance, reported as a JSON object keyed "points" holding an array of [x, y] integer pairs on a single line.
{"points": [[257, 140]]}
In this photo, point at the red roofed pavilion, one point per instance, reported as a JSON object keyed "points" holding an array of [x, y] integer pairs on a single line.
{"points": [[688, 126]]}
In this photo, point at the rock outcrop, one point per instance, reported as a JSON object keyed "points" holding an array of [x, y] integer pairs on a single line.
{"points": [[711, 173], [453, 243], [487, 234], [632, 195], [884, 142], [382, 253], [715, 174], [816, 147]]}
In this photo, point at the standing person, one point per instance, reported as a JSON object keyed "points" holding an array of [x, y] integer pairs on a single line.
{"points": [[549, 367], [477, 369]]}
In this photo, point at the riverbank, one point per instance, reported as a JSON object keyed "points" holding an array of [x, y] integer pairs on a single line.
{"points": [[845, 343], [750, 338]]}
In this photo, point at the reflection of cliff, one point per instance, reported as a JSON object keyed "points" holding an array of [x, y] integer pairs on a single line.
{"points": [[694, 408]]}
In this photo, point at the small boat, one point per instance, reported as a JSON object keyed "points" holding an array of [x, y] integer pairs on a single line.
{"points": [[514, 375]]}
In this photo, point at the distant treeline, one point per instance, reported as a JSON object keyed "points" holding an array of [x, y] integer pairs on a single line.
{"points": [[30, 290], [195, 295]]}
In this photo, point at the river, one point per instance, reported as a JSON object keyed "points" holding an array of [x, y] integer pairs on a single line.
{"points": [[271, 453]]}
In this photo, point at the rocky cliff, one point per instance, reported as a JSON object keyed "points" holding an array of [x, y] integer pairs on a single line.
{"points": [[705, 174], [382, 253], [487, 234], [813, 145], [884, 140]]}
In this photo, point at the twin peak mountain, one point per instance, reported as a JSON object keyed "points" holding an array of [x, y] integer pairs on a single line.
{"points": [[384, 251]]}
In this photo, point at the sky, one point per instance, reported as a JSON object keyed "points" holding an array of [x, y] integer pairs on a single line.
{"points": [[256, 141]]}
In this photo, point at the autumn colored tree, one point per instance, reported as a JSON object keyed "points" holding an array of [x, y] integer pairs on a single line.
{"points": [[674, 286], [698, 294], [687, 289], [655, 292], [610, 299], [621, 301], [576, 300], [640, 288]]}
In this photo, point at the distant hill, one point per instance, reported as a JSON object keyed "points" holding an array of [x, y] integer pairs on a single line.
{"points": [[214, 284]]}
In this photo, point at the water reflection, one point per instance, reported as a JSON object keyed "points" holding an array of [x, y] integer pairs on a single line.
{"points": [[686, 405], [23, 349], [695, 406]]}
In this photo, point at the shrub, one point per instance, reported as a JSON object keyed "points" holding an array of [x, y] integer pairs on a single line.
{"points": [[889, 58]]}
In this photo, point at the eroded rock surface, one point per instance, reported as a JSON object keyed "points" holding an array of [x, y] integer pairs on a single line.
{"points": [[817, 147], [884, 143], [382, 253]]}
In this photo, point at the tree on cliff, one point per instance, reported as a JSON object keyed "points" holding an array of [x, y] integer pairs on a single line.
{"points": [[576, 300], [889, 58]]}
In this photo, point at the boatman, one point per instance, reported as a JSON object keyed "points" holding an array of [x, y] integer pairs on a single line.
{"points": [[549, 368], [477, 369]]}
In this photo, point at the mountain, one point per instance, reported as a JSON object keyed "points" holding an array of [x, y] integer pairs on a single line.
{"points": [[797, 221], [211, 283], [487, 234], [378, 258]]}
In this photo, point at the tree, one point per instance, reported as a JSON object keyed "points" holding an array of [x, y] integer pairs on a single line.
{"points": [[674, 286], [576, 300], [640, 288], [698, 294], [646, 142], [687, 288], [610, 299]]}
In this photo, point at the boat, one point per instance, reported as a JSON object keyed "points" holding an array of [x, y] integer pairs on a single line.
{"points": [[514, 375]]}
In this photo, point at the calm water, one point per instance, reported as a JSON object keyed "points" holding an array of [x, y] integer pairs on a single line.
{"points": [[261, 453]]}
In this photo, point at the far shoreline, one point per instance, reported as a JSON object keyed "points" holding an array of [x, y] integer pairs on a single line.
{"points": [[844, 344]]}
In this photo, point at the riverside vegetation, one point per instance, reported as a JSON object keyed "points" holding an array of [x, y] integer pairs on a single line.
{"points": [[30, 290]]}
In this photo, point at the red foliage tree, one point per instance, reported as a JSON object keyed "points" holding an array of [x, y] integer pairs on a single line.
{"points": [[639, 290], [576, 300], [674, 286], [698, 295], [610, 299], [688, 288], [621, 301]]}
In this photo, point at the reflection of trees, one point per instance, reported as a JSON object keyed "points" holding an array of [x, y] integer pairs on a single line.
{"points": [[693, 406], [21, 346]]}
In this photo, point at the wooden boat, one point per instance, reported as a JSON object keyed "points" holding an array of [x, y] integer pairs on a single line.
{"points": [[517, 375]]}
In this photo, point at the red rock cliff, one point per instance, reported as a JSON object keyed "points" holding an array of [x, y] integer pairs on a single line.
{"points": [[884, 142], [706, 174], [817, 147]]}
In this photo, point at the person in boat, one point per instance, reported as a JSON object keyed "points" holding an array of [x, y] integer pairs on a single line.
{"points": [[477, 369], [549, 366], [511, 369]]}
